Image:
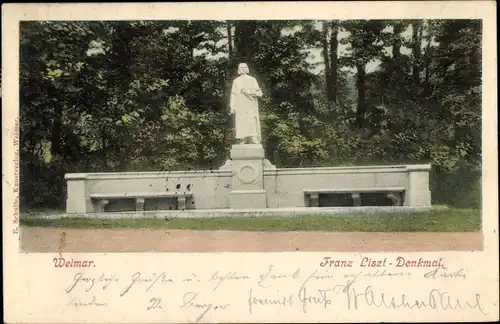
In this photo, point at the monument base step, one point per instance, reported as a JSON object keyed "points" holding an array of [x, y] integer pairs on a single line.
{"points": [[282, 212]]}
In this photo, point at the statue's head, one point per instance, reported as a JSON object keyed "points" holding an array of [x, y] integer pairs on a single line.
{"points": [[243, 68]]}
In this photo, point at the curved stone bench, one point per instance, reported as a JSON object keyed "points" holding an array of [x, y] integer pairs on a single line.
{"points": [[102, 199], [393, 193]]}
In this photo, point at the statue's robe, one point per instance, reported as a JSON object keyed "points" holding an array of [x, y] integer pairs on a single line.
{"points": [[246, 107]]}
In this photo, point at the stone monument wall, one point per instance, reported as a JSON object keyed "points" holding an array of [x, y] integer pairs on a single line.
{"points": [[244, 185], [210, 188], [285, 187]]}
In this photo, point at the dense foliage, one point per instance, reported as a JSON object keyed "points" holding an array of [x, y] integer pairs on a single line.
{"points": [[153, 95]]}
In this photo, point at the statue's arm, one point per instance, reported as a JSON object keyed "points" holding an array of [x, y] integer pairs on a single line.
{"points": [[256, 89]]}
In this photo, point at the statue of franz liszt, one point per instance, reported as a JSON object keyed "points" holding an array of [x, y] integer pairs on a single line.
{"points": [[245, 106]]}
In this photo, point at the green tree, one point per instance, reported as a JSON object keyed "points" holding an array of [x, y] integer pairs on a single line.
{"points": [[365, 44]]}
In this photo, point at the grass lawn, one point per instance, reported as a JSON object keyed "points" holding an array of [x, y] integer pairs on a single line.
{"points": [[448, 220]]}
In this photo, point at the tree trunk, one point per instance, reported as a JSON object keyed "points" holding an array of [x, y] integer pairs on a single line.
{"points": [[427, 64], [55, 139], [361, 107], [122, 55], [229, 40], [334, 43], [104, 148], [326, 57], [416, 35], [396, 45], [244, 41]]}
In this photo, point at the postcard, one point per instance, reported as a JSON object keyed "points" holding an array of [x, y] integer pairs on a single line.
{"points": [[247, 162]]}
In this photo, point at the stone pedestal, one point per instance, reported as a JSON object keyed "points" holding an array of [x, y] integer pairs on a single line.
{"points": [[417, 191], [248, 177], [77, 200]]}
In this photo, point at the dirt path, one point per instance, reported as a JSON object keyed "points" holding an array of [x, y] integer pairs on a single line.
{"points": [[35, 239]]}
